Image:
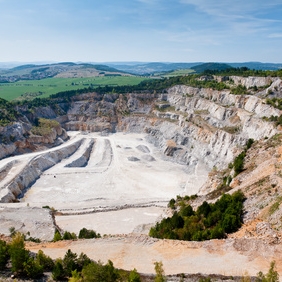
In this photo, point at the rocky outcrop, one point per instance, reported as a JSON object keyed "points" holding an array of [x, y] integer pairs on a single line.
{"points": [[18, 139], [252, 81]]}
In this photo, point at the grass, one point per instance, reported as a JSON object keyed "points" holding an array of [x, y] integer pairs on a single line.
{"points": [[275, 206], [45, 87]]}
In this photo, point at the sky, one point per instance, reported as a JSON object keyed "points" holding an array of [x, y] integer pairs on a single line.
{"points": [[141, 30]]}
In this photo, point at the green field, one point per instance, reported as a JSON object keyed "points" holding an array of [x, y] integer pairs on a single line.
{"points": [[179, 72], [26, 89]]}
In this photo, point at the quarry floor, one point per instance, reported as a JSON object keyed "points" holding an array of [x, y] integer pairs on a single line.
{"points": [[125, 186], [121, 193]]}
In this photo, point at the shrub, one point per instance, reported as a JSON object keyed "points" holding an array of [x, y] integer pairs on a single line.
{"points": [[45, 261], [160, 274], [44, 127], [97, 272], [57, 236], [88, 234], [32, 268], [271, 276], [58, 270], [238, 164], [210, 221], [69, 236], [18, 254], [134, 276]]}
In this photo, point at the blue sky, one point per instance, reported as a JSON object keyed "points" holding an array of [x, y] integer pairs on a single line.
{"points": [[141, 30]]}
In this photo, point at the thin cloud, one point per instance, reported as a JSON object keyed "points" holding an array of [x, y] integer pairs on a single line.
{"points": [[227, 7], [275, 35]]}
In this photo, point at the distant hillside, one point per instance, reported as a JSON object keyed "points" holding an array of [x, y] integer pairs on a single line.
{"points": [[137, 68], [257, 65], [157, 67], [65, 69], [152, 68], [211, 66]]}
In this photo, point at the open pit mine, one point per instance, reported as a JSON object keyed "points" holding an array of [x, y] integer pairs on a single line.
{"points": [[114, 161]]}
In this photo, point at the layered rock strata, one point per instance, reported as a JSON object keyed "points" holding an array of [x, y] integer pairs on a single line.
{"points": [[32, 171]]}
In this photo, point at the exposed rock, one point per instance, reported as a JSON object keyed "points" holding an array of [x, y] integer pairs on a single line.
{"points": [[32, 172], [148, 158], [83, 160], [143, 148], [133, 159], [18, 139]]}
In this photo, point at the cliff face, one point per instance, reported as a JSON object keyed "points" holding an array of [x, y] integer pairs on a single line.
{"points": [[18, 139], [31, 171], [191, 125]]}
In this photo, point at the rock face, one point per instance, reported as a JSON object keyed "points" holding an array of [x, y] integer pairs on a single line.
{"points": [[18, 139], [198, 127], [32, 171], [83, 160], [206, 127]]}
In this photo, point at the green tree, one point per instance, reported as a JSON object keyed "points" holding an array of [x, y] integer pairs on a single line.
{"points": [[271, 276], [32, 268], [82, 261], [18, 254], [69, 236], [45, 261], [88, 234], [96, 272], [69, 262], [134, 276], [57, 236], [58, 270], [75, 277], [160, 274]]}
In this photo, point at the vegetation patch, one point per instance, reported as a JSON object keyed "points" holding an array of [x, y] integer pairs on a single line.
{"points": [[209, 221], [44, 127], [239, 90], [7, 112], [275, 206]]}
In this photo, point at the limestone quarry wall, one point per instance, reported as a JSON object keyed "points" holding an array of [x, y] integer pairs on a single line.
{"points": [[32, 171]]}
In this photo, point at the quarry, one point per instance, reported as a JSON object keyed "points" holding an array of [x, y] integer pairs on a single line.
{"points": [[114, 162]]}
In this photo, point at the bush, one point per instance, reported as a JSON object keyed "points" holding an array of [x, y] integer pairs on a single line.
{"points": [[18, 254], [160, 274], [97, 272], [45, 261], [271, 276], [58, 270], [44, 127], [69, 263], [69, 236], [210, 221], [134, 276], [238, 164], [57, 236], [88, 234], [32, 268]]}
